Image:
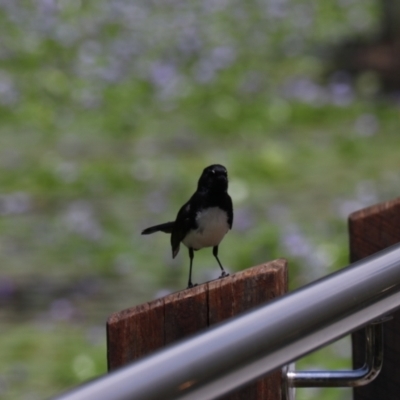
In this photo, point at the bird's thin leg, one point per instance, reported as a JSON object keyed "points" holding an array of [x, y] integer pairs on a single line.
{"points": [[215, 253], [191, 256]]}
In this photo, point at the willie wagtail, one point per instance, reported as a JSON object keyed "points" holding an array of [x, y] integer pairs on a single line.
{"points": [[204, 220]]}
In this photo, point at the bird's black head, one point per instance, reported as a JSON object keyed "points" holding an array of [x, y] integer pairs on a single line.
{"points": [[215, 178]]}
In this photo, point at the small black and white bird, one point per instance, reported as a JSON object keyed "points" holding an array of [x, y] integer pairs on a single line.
{"points": [[204, 220]]}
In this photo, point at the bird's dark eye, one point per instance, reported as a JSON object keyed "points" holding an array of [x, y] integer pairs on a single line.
{"points": [[213, 172]]}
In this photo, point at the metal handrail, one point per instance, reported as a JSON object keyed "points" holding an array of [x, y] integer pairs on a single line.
{"points": [[246, 347]]}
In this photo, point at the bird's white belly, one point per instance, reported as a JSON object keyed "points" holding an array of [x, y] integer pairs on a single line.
{"points": [[212, 227]]}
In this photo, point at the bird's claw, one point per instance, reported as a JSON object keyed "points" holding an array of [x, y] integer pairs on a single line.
{"points": [[191, 285], [224, 274]]}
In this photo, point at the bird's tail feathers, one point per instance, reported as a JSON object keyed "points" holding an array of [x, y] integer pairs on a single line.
{"points": [[166, 227]]}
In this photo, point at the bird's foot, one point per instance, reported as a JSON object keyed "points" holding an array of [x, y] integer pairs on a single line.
{"points": [[191, 285], [224, 274]]}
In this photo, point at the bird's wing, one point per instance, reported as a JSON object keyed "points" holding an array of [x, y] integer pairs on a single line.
{"points": [[230, 211], [185, 220]]}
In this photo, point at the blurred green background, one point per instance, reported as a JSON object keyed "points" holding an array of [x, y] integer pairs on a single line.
{"points": [[110, 110]]}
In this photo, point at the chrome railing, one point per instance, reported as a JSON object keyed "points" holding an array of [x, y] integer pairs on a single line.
{"points": [[244, 348]]}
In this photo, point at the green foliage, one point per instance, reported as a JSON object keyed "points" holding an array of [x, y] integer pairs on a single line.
{"points": [[109, 112], [34, 355]]}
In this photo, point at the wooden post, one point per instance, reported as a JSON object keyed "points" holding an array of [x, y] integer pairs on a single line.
{"points": [[373, 229], [141, 330]]}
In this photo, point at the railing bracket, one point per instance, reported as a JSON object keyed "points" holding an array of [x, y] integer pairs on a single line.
{"points": [[347, 378]]}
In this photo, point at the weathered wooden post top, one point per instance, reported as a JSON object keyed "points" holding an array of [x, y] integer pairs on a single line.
{"points": [[371, 230], [140, 330]]}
